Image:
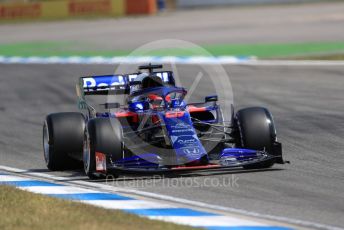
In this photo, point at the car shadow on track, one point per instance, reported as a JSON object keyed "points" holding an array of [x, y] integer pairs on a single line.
{"points": [[67, 175], [184, 175], [79, 174]]}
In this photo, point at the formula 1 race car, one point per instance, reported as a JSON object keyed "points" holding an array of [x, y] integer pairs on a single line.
{"points": [[155, 130]]}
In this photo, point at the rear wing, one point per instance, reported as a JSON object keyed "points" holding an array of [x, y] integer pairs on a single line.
{"points": [[115, 84]]}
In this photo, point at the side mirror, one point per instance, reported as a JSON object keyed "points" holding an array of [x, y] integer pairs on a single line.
{"points": [[113, 105], [211, 98]]}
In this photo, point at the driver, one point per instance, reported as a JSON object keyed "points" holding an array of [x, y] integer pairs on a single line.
{"points": [[151, 81]]}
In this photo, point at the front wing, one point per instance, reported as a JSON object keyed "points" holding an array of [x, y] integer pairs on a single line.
{"points": [[230, 159]]}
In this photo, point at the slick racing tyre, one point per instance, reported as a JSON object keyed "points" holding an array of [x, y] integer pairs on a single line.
{"points": [[105, 136], [257, 131], [63, 135]]}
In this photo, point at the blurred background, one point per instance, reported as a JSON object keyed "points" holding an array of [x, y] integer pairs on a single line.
{"points": [[301, 29]]}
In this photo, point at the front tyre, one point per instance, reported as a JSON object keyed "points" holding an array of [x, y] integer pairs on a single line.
{"points": [[257, 131], [103, 135], [63, 135]]}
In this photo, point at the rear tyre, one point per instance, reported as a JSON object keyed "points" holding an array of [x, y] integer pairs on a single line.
{"points": [[257, 131], [103, 135], [63, 135]]}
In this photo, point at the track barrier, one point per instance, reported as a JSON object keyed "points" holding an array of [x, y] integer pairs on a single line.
{"points": [[64, 9]]}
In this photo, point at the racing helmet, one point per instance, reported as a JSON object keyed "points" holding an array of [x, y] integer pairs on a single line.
{"points": [[151, 81], [141, 76]]}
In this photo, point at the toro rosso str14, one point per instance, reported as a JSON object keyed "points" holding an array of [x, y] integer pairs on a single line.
{"points": [[155, 130]]}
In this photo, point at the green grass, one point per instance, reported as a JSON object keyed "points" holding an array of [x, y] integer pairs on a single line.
{"points": [[20, 210], [277, 50], [44, 49]]}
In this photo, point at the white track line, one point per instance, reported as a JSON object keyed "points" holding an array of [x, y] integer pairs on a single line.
{"points": [[292, 63], [206, 206], [127, 204], [57, 189], [214, 221], [120, 60], [224, 60], [9, 178]]}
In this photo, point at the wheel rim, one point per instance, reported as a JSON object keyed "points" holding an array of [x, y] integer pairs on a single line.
{"points": [[46, 145]]}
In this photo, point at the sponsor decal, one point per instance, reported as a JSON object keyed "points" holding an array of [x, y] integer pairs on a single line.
{"points": [[174, 114], [186, 142], [181, 130], [90, 82], [174, 139], [163, 75], [89, 7], [181, 125], [100, 162], [20, 11], [191, 151], [114, 80]]}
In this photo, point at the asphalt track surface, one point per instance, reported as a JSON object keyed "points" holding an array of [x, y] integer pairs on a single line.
{"points": [[318, 22], [307, 104], [306, 101]]}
